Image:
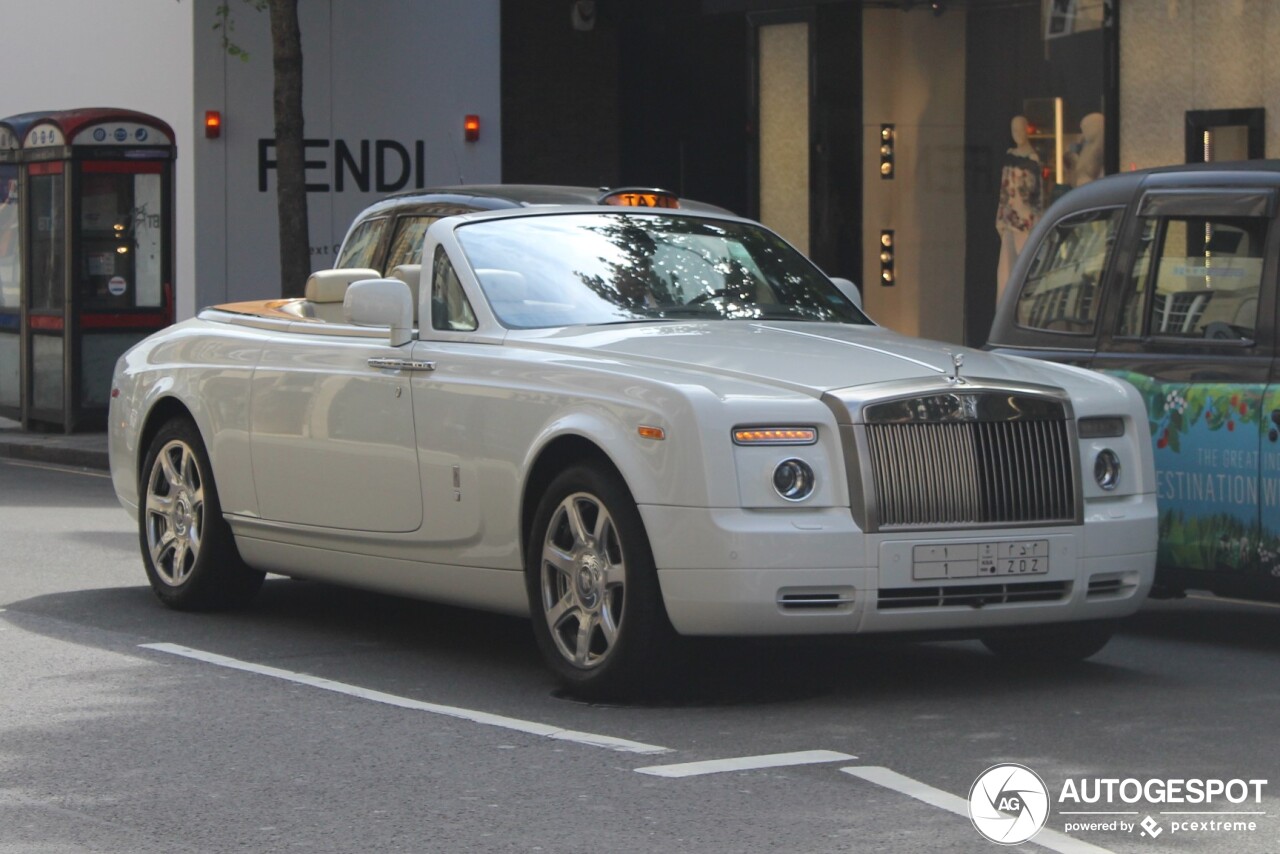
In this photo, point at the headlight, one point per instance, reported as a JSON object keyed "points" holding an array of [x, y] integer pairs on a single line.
{"points": [[793, 479], [1106, 469]]}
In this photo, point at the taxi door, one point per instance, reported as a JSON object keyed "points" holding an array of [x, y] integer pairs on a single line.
{"points": [[1189, 322]]}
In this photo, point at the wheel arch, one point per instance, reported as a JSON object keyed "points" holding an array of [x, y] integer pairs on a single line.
{"points": [[557, 455], [164, 410]]}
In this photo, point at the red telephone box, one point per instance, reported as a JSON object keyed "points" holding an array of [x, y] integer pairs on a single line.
{"points": [[93, 252]]}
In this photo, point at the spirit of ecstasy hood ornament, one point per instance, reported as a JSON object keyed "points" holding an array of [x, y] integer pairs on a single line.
{"points": [[957, 359]]}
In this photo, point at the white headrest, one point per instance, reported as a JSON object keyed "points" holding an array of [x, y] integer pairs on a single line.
{"points": [[411, 275], [331, 285]]}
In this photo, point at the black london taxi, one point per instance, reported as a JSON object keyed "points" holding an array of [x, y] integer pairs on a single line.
{"points": [[1167, 278]]}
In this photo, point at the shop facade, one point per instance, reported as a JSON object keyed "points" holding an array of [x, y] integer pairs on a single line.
{"points": [[777, 109], [906, 144]]}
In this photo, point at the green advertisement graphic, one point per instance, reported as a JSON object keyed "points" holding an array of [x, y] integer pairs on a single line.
{"points": [[1217, 455]]}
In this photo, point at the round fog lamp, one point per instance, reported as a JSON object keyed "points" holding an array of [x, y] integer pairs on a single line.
{"points": [[793, 480], [1106, 469]]}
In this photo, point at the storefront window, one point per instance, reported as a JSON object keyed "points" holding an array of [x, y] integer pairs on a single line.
{"points": [[1035, 129]]}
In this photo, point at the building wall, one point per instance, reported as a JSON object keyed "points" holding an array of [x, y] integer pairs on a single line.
{"points": [[387, 84], [784, 130], [1180, 55], [62, 54], [560, 100], [913, 70]]}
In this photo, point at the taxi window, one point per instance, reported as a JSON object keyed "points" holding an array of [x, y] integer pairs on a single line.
{"points": [[406, 244], [1196, 277], [362, 243], [1061, 289], [450, 309]]}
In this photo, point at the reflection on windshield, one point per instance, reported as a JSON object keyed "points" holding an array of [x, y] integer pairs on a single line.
{"points": [[581, 269]]}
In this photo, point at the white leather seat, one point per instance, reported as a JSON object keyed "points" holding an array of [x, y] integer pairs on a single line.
{"points": [[326, 289]]}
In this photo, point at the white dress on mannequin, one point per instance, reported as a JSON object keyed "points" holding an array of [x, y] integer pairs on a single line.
{"points": [[1021, 199]]}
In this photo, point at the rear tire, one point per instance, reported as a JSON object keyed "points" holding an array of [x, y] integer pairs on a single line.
{"points": [[1060, 644], [593, 589], [187, 547]]}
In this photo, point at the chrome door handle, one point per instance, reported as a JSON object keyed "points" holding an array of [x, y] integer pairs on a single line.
{"points": [[402, 364]]}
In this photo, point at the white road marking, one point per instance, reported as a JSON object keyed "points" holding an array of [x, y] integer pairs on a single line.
{"points": [[529, 727], [1051, 839], [746, 763], [1206, 598]]}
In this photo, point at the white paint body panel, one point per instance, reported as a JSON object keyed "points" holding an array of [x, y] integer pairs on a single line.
{"points": [[412, 481]]}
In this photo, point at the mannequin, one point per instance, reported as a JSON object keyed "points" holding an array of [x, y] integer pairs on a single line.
{"points": [[1021, 199], [1088, 158]]}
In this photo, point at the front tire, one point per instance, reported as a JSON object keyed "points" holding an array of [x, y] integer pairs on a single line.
{"points": [[187, 547], [593, 590]]}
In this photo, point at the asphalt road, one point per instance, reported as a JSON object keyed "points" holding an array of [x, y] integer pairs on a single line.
{"points": [[322, 719]]}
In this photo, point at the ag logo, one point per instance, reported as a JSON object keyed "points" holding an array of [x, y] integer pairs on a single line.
{"points": [[1008, 804]]}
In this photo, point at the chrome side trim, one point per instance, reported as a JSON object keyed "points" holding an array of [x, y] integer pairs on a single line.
{"points": [[402, 364]]}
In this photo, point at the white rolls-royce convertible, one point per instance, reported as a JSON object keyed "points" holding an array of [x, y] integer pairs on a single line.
{"points": [[633, 425]]}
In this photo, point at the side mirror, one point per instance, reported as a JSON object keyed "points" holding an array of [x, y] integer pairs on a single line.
{"points": [[381, 302], [849, 289]]}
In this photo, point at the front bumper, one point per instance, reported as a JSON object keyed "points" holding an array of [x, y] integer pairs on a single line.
{"points": [[743, 572]]}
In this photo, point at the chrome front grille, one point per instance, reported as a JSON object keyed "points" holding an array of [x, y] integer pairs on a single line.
{"points": [[958, 468]]}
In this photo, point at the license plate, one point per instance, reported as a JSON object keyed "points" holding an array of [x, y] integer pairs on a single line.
{"points": [[980, 560]]}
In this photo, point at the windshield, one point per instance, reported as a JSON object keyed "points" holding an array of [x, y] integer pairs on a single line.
{"points": [[585, 269]]}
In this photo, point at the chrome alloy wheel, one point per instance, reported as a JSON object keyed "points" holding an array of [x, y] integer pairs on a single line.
{"points": [[582, 580], [174, 512]]}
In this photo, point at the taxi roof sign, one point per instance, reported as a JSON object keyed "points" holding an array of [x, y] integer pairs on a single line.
{"points": [[640, 197]]}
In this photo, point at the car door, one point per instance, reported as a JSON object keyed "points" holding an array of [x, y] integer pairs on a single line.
{"points": [[1189, 324], [332, 431], [451, 404]]}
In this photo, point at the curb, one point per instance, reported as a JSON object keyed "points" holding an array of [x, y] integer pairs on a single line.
{"points": [[35, 450]]}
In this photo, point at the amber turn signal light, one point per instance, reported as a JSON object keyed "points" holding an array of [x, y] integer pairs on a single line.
{"points": [[775, 435]]}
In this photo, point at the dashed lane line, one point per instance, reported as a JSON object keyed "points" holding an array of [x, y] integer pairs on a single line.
{"points": [[529, 727], [890, 779], [746, 763]]}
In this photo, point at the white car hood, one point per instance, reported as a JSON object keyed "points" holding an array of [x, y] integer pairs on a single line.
{"points": [[809, 357]]}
